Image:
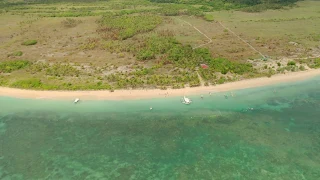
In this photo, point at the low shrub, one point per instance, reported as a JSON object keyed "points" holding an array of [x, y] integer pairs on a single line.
{"points": [[62, 70], [302, 68], [3, 81], [27, 84], [29, 42], [16, 53], [9, 66], [208, 17], [315, 63], [291, 63], [70, 22]]}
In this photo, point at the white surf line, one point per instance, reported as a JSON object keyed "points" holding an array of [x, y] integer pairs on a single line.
{"points": [[241, 39], [210, 40]]}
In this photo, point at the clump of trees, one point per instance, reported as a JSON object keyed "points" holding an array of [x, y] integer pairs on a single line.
{"points": [[167, 50], [183, 56]]}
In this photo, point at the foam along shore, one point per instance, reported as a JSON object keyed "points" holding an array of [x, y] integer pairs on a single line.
{"points": [[157, 93]]}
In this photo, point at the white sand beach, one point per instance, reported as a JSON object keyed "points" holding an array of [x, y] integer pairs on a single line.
{"points": [[157, 93]]}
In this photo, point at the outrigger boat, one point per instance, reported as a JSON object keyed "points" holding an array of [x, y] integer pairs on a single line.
{"points": [[76, 100], [186, 100]]}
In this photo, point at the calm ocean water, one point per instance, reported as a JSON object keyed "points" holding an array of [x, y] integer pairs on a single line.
{"points": [[262, 133]]}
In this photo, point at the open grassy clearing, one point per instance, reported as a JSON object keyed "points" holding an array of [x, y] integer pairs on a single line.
{"points": [[139, 44], [224, 43], [184, 33], [291, 33]]}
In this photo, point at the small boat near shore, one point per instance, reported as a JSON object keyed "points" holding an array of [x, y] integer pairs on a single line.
{"points": [[186, 100], [76, 100]]}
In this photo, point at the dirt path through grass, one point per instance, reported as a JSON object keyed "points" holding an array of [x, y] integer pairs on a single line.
{"points": [[200, 79], [210, 40], [241, 39]]}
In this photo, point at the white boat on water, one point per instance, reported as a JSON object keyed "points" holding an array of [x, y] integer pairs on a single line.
{"points": [[76, 100], [186, 100]]}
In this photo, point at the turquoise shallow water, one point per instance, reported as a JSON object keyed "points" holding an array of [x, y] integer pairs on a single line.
{"points": [[262, 133]]}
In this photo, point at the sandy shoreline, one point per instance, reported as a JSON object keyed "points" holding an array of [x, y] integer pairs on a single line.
{"points": [[157, 93]]}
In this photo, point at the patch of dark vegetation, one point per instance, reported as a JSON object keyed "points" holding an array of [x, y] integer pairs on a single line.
{"points": [[16, 53], [291, 63], [29, 42], [208, 17], [316, 63], [9, 66]]}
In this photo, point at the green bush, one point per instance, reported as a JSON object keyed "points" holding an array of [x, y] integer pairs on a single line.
{"points": [[208, 17], [221, 80], [302, 68], [316, 63], [29, 42], [9, 66], [291, 63], [145, 55], [3, 81], [16, 53]]}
